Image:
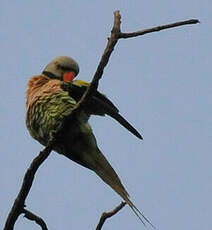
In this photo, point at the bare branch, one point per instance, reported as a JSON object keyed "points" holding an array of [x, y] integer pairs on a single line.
{"points": [[18, 204], [106, 215], [31, 216], [158, 28]]}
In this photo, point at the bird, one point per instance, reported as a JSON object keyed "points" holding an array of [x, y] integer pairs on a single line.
{"points": [[50, 98]]}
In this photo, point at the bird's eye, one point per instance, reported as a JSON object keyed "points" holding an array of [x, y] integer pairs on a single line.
{"points": [[58, 66]]}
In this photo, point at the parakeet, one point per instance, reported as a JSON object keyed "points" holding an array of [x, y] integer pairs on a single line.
{"points": [[51, 97]]}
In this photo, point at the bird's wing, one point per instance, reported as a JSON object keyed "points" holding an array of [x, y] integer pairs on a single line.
{"points": [[98, 104]]}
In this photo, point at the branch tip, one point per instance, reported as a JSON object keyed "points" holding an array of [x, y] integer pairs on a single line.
{"points": [[106, 215]]}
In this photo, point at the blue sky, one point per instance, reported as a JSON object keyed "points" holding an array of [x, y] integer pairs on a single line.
{"points": [[161, 83]]}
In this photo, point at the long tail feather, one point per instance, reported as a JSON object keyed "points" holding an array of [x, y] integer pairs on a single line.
{"points": [[105, 171]]}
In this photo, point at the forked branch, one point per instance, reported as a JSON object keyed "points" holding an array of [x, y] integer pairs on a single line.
{"points": [[38, 220]]}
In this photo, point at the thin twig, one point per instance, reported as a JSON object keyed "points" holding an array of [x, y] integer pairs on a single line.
{"points": [[38, 220], [158, 28], [106, 215]]}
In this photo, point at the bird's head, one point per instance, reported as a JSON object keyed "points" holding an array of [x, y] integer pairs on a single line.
{"points": [[62, 68]]}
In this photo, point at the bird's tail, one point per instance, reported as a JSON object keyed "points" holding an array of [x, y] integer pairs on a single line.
{"points": [[105, 171]]}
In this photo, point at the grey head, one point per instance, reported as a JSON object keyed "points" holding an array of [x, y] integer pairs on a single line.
{"points": [[58, 66]]}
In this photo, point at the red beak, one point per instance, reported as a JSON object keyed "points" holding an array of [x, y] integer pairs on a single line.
{"points": [[68, 76]]}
